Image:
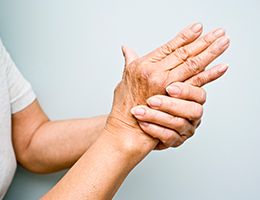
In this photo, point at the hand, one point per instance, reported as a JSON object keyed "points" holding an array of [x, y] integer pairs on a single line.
{"points": [[178, 60], [175, 120]]}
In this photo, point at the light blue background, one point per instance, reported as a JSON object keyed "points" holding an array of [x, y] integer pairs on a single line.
{"points": [[70, 51]]}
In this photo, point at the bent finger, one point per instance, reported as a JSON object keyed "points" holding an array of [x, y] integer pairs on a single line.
{"points": [[146, 114], [187, 91], [177, 107], [167, 136]]}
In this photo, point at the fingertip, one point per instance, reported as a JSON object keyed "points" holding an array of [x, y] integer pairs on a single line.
{"points": [[222, 68], [138, 111], [196, 27], [219, 32], [173, 90], [132, 111], [154, 101]]}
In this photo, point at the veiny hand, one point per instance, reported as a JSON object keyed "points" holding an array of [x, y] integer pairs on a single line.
{"points": [[174, 119], [176, 61]]}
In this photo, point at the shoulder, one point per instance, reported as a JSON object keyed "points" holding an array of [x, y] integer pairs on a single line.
{"points": [[5, 58]]}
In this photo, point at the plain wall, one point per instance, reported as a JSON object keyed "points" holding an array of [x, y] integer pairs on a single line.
{"points": [[70, 51]]}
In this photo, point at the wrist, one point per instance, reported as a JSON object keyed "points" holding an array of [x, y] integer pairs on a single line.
{"points": [[132, 142]]}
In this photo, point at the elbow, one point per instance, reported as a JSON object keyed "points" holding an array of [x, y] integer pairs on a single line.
{"points": [[32, 163]]}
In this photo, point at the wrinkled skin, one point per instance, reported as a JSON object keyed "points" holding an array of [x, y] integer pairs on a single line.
{"points": [[177, 61]]}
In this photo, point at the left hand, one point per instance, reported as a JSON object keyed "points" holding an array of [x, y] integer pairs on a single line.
{"points": [[177, 117], [176, 61]]}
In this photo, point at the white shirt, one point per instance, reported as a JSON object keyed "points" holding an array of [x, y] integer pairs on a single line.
{"points": [[15, 94]]}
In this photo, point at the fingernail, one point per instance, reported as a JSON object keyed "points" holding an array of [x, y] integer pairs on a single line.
{"points": [[144, 124], [196, 27], [154, 101], [223, 41], [219, 32], [138, 111], [223, 68], [173, 90]]}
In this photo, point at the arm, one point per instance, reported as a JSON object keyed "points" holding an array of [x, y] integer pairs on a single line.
{"points": [[33, 132], [164, 119], [122, 145], [105, 165], [101, 170], [45, 146]]}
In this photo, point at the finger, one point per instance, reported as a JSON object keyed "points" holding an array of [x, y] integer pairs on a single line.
{"points": [[176, 107], [197, 123], [129, 55], [186, 91], [195, 65], [208, 76], [146, 114], [167, 136], [186, 36], [183, 53], [160, 146]]}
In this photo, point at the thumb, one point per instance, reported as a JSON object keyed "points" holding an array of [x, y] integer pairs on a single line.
{"points": [[129, 55]]}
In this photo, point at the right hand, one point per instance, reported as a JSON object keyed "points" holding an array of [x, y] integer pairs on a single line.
{"points": [[178, 115], [176, 61]]}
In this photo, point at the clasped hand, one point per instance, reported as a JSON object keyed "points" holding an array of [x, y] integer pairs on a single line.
{"points": [[158, 102]]}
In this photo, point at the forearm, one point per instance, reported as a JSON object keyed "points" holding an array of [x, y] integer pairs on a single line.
{"points": [[101, 170], [56, 145]]}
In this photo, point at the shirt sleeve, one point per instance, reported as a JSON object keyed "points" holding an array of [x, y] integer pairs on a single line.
{"points": [[20, 91]]}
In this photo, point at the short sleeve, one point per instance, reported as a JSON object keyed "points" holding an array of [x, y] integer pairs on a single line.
{"points": [[20, 91]]}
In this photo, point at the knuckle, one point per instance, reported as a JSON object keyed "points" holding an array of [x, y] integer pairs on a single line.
{"points": [[198, 111], [168, 137], [145, 73], [177, 142], [206, 40], [167, 48], [158, 82], [180, 123], [203, 96], [214, 51], [182, 53], [190, 132], [171, 120], [199, 80], [193, 65], [142, 71], [184, 35], [155, 82]]}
